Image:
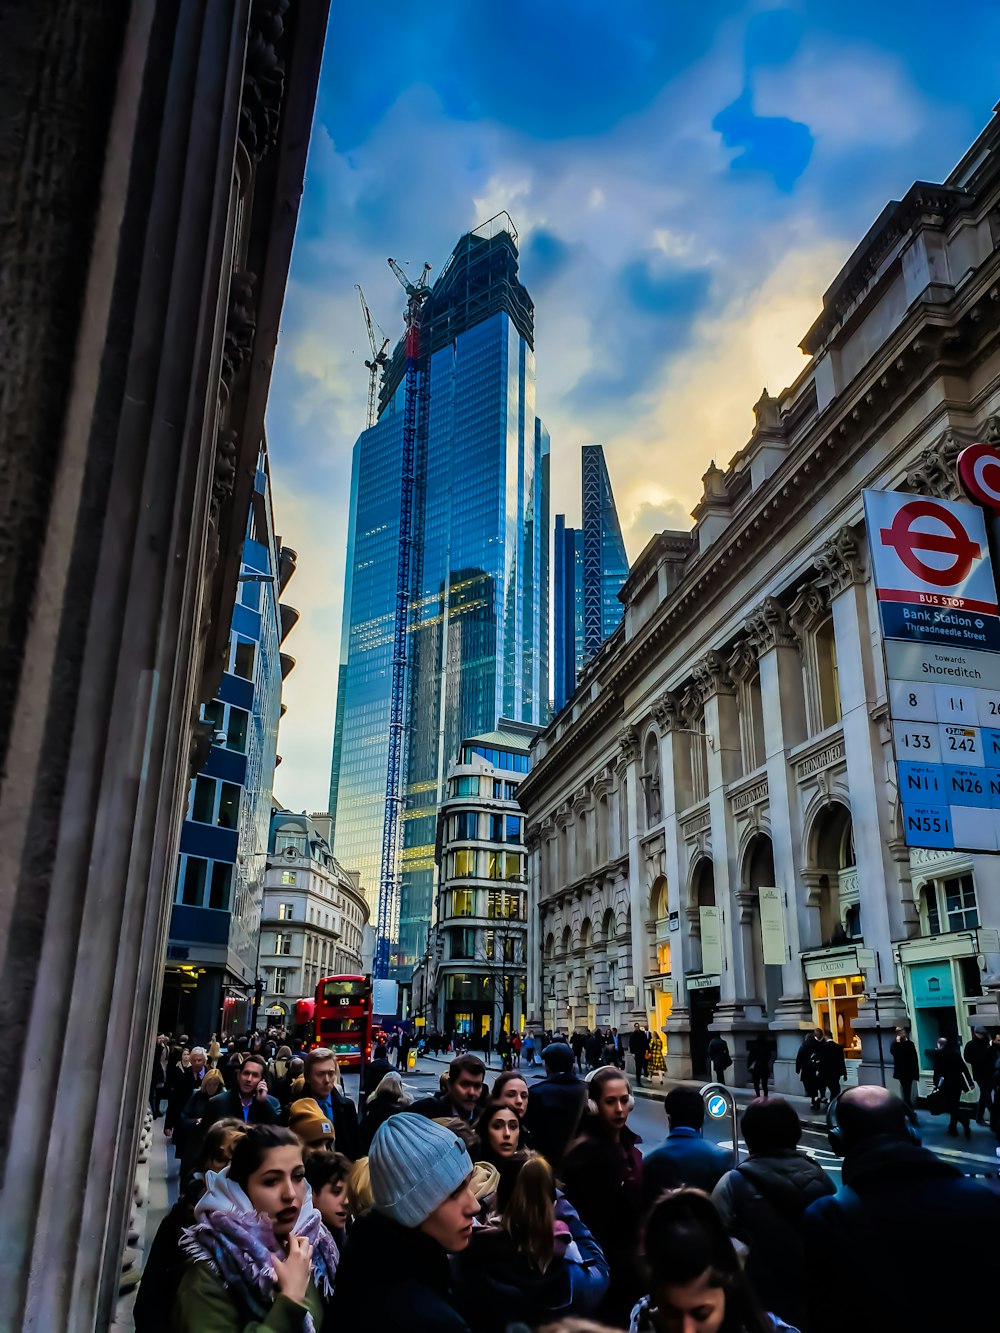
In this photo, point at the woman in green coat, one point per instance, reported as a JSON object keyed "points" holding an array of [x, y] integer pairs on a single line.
{"points": [[259, 1257]]}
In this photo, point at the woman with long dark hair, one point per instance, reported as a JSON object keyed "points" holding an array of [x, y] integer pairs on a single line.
{"points": [[259, 1256], [536, 1263], [695, 1276], [499, 1131]]}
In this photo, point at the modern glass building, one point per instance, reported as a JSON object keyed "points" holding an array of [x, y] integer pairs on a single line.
{"points": [[212, 952], [478, 635], [590, 568]]}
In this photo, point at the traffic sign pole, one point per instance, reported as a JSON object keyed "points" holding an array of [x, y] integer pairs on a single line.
{"points": [[715, 1093]]}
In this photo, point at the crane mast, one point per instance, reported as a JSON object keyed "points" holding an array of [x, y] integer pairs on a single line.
{"points": [[378, 362], [386, 944]]}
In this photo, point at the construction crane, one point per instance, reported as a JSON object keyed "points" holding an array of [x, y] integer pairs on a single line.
{"points": [[387, 938], [377, 364]]}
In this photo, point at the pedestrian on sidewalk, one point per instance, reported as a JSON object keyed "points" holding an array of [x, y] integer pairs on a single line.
{"points": [[323, 1085], [249, 1101], [807, 1065], [164, 1266], [389, 1098], [905, 1064], [684, 1157], [696, 1278], [602, 1178], [463, 1082], [528, 1047], [638, 1045], [832, 1068], [896, 1204], [578, 1044], [555, 1104], [719, 1057], [951, 1080], [761, 1202], [258, 1252], [511, 1090], [759, 1055], [978, 1055], [395, 1267]]}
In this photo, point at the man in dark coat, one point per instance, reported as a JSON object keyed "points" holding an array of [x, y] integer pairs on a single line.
{"points": [[638, 1044], [897, 1202], [578, 1043], [951, 1080], [555, 1104], [905, 1064], [762, 1200], [978, 1055], [322, 1084], [248, 1101], [807, 1065], [186, 1082], [684, 1157], [461, 1100], [832, 1068], [719, 1057], [602, 1178]]}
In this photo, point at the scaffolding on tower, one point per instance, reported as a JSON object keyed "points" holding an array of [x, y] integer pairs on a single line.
{"points": [[377, 364], [414, 408]]}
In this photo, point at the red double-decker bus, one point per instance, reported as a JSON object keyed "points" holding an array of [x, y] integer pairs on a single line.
{"points": [[344, 1017]]}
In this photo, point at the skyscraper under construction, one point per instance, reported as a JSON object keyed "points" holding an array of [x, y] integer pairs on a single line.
{"points": [[477, 642]]}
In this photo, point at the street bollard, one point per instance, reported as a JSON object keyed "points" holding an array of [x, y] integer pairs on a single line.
{"points": [[719, 1103]]}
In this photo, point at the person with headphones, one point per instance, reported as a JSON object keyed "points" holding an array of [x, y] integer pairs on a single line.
{"points": [[602, 1178], [901, 1207]]}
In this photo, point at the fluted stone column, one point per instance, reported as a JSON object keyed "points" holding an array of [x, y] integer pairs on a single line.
{"points": [[783, 708]]}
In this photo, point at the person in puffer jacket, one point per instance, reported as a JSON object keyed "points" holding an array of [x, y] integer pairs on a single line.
{"points": [[762, 1200], [538, 1263]]}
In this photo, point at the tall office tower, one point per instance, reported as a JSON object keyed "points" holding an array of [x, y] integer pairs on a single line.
{"points": [[478, 633], [590, 568]]}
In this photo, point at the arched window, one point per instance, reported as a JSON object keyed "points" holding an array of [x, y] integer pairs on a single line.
{"points": [[828, 680], [651, 781]]}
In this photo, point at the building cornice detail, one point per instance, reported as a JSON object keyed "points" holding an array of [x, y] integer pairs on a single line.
{"points": [[934, 472], [768, 627], [711, 676], [839, 562]]}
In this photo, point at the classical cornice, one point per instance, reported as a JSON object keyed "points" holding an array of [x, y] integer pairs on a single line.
{"points": [[711, 676]]}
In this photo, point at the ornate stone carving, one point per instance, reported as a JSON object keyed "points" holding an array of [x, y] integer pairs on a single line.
{"points": [[226, 450], [628, 743], [263, 78], [839, 562], [742, 663], [710, 676], [934, 472], [811, 605], [768, 627], [240, 327], [666, 711], [989, 431]]}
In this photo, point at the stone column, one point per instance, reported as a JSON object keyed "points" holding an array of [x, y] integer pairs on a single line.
{"points": [[628, 746], [739, 1012], [534, 941], [674, 785], [783, 708], [868, 757]]}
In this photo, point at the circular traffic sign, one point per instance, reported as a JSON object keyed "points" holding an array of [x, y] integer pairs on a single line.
{"points": [[954, 544], [979, 474], [717, 1106]]}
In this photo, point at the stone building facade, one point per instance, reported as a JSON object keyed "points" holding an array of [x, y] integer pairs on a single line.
{"points": [[314, 915], [713, 826], [153, 158]]}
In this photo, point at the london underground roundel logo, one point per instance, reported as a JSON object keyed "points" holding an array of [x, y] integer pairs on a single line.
{"points": [[979, 473], [954, 544]]}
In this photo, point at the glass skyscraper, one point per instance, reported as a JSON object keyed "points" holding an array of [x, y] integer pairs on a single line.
{"points": [[590, 568], [478, 634]]}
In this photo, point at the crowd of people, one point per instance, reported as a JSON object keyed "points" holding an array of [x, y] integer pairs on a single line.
{"points": [[529, 1205]]}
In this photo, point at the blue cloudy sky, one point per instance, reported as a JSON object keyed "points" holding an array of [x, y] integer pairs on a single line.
{"points": [[686, 179]]}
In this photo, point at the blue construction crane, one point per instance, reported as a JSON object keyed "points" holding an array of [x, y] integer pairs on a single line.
{"points": [[387, 938]]}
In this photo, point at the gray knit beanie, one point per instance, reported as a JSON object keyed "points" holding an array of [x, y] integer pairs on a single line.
{"points": [[414, 1165]]}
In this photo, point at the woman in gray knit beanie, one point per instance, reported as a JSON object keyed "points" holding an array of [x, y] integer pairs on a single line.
{"points": [[396, 1257]]}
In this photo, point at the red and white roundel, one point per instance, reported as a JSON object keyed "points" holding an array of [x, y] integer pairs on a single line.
{"points": [[979, 474]]}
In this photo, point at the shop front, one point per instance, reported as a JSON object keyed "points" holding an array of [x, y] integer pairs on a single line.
{"points": [[836, 989], [703, 996], [943, 984]]}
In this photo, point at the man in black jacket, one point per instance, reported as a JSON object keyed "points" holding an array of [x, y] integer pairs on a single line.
{"points": [[897, 1203], [248, 1101], [555, 1104], [905, 1065], [465, 1086], [322, 1084], [638, 1044], [978, 1055]]}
